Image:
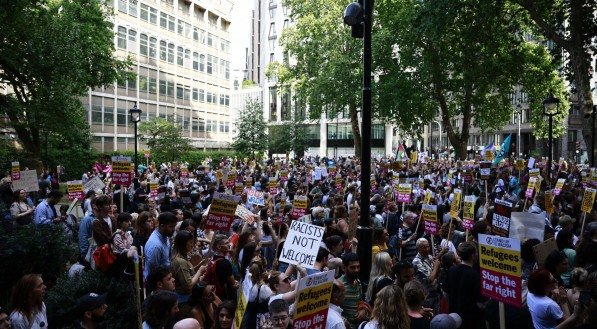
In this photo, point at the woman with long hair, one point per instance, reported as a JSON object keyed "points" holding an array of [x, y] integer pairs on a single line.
{"points": [[22, 213], [224, 315], [143, 228], [259, 294], [381, 275], [184, 273], [29, 310], [244, 238], [556, 263], [389, 310], [163, 306], [203, 303]]}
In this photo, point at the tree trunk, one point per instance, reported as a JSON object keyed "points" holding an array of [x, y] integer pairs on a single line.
{"points": [[356, 132]]}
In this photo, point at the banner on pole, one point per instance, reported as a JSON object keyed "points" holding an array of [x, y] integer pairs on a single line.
{"points": [[121, 170], [430, 219], [221, 212], [16, 171], [468, 215], [502, 214], [75, 190], [500, 263]]}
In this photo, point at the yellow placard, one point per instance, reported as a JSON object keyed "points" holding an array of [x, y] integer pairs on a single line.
{"points": [[299, 204], [588, 200], [500, 260], [455, 206], [488, 155], [549, 202], [469, 210], [219, 174], [520, 164]]}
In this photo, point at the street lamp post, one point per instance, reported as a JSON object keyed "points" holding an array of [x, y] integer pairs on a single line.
{"points": [[592, 151], [135, 114], [551, 107], [359, 16], [519, 139]]}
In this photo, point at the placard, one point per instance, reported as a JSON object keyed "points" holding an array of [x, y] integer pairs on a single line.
{"points": [[526, 225], [501, 269], [455, 206], [283, 176], [299, 206], [153, 189], [255, 197], [489, 155], [121, 170], [272, 185], [313, 300], [75, 190], [534, 172], [531, 163], [15, 173], [27, 182], [559, 186], [430, 219], [243, 213], [221, 212], [94, 184], [588, 200], [519, 164], [549, 202], [338, 182], [543, 249], [404, 191], [530, 188], [485, 169], [468, 215], [302, 244], [500, 223], [231, 180], [317, 173], [239, 188]]}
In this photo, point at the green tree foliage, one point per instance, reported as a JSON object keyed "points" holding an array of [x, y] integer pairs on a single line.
{"points": [[327, 72], [252, 130], [164, 139], [462, 57], [291, 136], [51, 53]]}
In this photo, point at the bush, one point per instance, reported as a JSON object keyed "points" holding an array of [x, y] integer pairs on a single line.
{"points": [[61, 300], [26, 250]]}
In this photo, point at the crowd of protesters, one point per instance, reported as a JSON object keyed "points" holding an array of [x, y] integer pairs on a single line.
{"points": [[191, 275]]}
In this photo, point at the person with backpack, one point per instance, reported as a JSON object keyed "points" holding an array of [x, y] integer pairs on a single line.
{"points": [[257, 306], [219, 269]]}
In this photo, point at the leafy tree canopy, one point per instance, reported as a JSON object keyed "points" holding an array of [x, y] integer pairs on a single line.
{"points": [[164, 139], [252, 130]]}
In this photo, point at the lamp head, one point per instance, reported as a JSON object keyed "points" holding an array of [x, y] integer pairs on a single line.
{"points": [[551, 105], [135, 114], [353, 14]]}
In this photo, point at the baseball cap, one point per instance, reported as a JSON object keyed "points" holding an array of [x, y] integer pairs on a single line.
{"points": [[592, 227], [566, 220], [446, 321], [90, 301]]}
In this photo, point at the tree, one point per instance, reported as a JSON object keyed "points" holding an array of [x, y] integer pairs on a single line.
{"points": [[326, 69], [289, 136], [252, 130], [164, 139], [572, 26], [52, 53], [462, 58]]}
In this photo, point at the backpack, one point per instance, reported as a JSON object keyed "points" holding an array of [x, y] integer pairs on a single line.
{"points": [[211, 278], [254, 309]]}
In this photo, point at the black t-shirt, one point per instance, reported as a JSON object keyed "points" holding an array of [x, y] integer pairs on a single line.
{"points": [[419, 323], [223, 272], [463, 286], [516, 317]]}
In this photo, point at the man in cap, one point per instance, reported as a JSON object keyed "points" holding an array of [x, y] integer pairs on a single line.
{"points": [[566, 223], [446, 321], [91, 310]]}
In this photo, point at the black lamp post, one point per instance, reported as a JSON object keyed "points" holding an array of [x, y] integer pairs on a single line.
{"points": [[359, 16], [135, 114], [592, 152], [551, 107], [519, 140]]}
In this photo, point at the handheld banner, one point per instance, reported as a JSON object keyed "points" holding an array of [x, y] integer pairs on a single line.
{"points": [[485, 169], [153, 189], [27, 182], [94, 184], [500, 263], [468, 216], [231, 180], [559, 186], [338, 181], [221, 212], [283, 176], [302, 244], [121, 170], [588, 200], [299, 206], [530, 187], [16, 171], [455, 206], [534, 172], [255, 197], [430, 218], [75, 190], [501, 218], [549, 202], [519, 164], [404, 191], [272, 185], [239, 188], [312, 300]]}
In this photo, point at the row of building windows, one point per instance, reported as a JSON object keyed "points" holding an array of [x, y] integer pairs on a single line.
{"points": [[168, 22], [168, 52], [300, 109]]}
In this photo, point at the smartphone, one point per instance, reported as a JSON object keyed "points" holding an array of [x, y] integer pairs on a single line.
{"points": [[584, 298]]}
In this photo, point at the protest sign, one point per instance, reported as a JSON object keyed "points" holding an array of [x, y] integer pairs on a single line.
{"points": [[455, 206], [317, 173], [313, 300], [231, 180], [27, 182], [338, 181], [249, 182], [543, 249], [299, 206], [593, 174], [404, 191], [489, 155], [531, 163], [534, 172], [549, 202], [588, 200], [255, 197], [221, 212], [501, 269], [519, 164], [428, 196], [153, 189], [501, 218], [302, 244], [242, 299], [272, 185], [526, 225], [239, 188], [121, 170], [485, 169], [467, 177], [283, 176], [468, 216], [75, 190], [243, 213], [94, 184], [15, 173], [559, 186], [430, 219], [530, 188]]}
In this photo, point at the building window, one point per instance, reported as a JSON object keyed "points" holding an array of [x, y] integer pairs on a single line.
{"points": [[163, 20], [143, 47], [133, 8], [121, 115], [152, 47], [377, 132], [273, 104], [195, 34], [153, 16], [286, 24], [96, 110], [187, 57], [195, 61], [201, 95], [108, 115], [122, 6], [272, 13], [122, 37], [144, 12], [171, 53], [210, 59], [132, 39], [152, 84], [179, 56], [195, 94], [210, 39], [285, 107], [179, 92], [202, 63], [163, 50], [272, 30], [575, 110], [180, 27]]}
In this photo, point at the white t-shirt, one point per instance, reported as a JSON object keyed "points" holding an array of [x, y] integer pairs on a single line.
{"points": [[39, 319], [334, 320], [264, 293], [545, 312]]}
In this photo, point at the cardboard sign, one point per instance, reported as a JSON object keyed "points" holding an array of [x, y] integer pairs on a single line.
{"points": [[485, 169], [468, 216], [15, 173], [534, 172], [519, 164], [299, 206], [28, 181], [75, 190], [501, 218], [249, 182], [312, 300], [272, 185], [243, 213], [543, 249], [153, 189], [231, 180], [559, 186], [404, 191], [588, 200], [501, 269], [239, 188], [121, 170], [530, 188], [302, 244], [221, 212], [455, 206], [94, 184], [283, 176], [549, 202], [526, 225], [255, 197], [430, 219]]}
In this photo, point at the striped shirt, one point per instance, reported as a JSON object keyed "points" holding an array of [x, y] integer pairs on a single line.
{"points": [[354, 294]]}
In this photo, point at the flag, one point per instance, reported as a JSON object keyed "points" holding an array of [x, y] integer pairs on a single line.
{"points": [[504, 149], [400, 152]]}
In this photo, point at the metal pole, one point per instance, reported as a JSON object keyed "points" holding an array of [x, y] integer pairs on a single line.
{"points": [[431, 140], [593, 137], [550, 155], [364, 228], [136, 165], [519, 137]]}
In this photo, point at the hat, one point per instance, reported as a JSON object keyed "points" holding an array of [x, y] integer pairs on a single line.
{"points": [[446, 321], [90, 301], [592, 227], [566, 220]]}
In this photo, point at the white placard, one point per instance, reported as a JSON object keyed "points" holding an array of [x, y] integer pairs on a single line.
{"points": [[302, 244], [28, 181], [531, 163], [94, 184]]}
